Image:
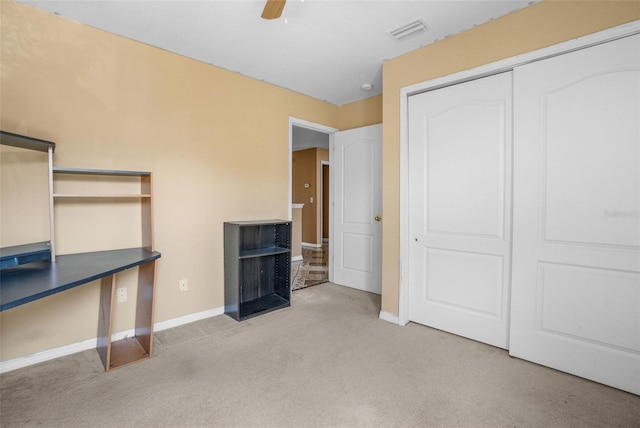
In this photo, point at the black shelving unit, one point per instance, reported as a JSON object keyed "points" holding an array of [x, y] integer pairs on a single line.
{"points": [[257, 267]]}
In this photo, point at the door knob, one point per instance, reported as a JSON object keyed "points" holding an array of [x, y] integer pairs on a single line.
{"points": [[378, 218]]}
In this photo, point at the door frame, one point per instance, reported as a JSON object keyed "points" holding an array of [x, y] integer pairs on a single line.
{"points": [[460, 77], [326, 130], [322, 190]]}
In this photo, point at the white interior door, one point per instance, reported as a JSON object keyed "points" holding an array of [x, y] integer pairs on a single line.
{"points": [[356, 244], [576, 253], [460, 208]]}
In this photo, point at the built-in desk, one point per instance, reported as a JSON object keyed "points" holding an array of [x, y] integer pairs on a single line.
{"points": [[32, 281], [28, 282], [34, 271]]}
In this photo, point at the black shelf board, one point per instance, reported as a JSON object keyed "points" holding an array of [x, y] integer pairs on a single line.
{"points": [[260, 252], [87, 171], [24, 142], [258, 222], [22, 254], [264, 304], [26, 283]]}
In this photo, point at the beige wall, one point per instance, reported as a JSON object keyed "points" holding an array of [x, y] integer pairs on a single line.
{"points": [[216, 142], [361, 113], [306, 169], [538, 26], [303, 172], [321, 155]]}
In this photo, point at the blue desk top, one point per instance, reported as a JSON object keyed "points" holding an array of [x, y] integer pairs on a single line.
{"points": [[28, 282]]}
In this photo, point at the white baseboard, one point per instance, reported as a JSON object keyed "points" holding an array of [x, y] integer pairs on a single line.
{"points": [[176, 322], [306, 244], [387, 316], [296, 258], [50, 354]]}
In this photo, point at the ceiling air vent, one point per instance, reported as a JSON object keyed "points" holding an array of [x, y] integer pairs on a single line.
{"points": [[413, 28]]}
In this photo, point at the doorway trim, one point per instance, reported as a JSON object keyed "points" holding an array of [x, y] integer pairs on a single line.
{"points": [[327, 130], [322, 190], [460, 77]]}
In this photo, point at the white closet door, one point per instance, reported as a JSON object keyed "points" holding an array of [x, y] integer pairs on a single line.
{"points": [[460, 208], [576, 253]]}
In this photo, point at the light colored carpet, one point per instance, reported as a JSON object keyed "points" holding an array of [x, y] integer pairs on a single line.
{"points": [[325, 361]]}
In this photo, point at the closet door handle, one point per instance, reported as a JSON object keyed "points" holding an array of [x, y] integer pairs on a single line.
{"points": [[377, 218]]}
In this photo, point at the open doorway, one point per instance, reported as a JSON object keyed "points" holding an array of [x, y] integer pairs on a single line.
{"points": [[309, 193]]}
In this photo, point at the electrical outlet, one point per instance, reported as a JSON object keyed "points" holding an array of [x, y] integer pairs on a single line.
{"points": [[121, 295], [183, 284]]}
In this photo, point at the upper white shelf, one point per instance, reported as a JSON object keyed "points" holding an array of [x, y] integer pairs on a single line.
{"points": [[104, 196], [144, 175]]}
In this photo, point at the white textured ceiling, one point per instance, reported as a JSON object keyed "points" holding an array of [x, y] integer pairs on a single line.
{"points": [[304, 138], [326, 48]]}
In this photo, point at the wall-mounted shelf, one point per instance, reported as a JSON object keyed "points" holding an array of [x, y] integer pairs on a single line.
{"points": [[144, 195], [25, 253], [103, 172], [105, 196], [87, 171], [23, 142]]}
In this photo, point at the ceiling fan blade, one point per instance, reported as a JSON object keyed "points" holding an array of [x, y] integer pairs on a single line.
{"points": [[273, 9]]}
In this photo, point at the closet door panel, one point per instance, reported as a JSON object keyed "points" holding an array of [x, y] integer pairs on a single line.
{"points": [[460, 208], [576, 229]]}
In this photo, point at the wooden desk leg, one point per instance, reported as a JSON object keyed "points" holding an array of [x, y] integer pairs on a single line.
{"points": [[107, 292], [145, 306]]}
